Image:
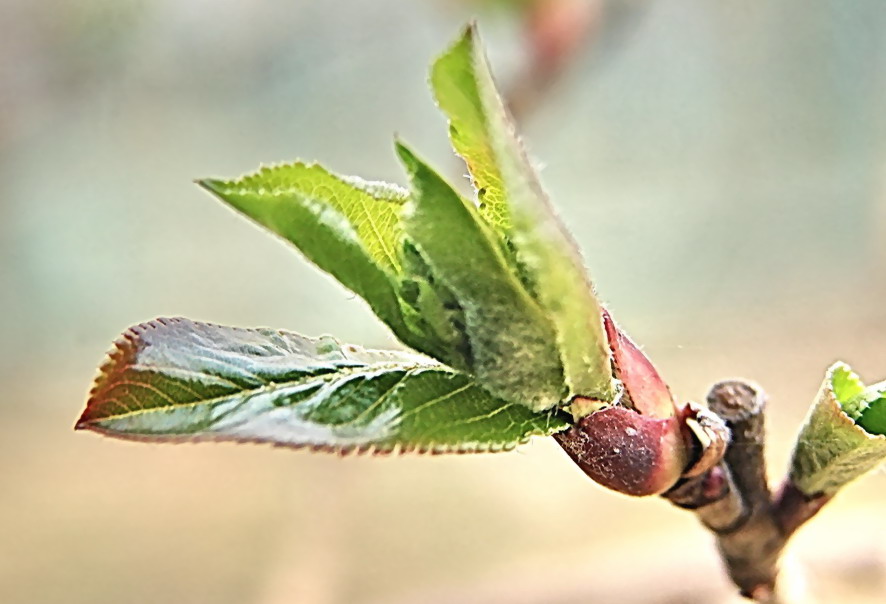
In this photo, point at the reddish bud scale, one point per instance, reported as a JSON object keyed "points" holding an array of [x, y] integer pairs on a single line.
{"points": [[642, 447], [646, 389], [627, 452]]}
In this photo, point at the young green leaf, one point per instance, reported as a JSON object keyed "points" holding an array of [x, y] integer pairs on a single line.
{"points": [[865, 405], [513, 202], [431, 309], [348, 228], [873, 417], [371, 208], [512, 341], [351, 229], [848, 389], [832, 449], [177, 380], [455, 79]]}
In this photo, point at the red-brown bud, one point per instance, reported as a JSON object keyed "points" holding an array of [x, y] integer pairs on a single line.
{"points": [[644, 443], [646, 390], [628, 452]]}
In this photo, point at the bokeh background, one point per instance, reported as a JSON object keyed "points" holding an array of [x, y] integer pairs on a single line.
{"points": [[723, 165]]}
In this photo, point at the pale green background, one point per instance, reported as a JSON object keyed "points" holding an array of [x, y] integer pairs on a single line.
{"points": [[723, 165]]}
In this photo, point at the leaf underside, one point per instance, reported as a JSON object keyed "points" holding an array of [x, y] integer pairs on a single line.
{"points": [[176, 380], [513, 343], [832, 448], [512, 201]]}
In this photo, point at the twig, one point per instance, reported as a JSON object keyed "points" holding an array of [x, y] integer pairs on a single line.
{"points": [[752, 547], [733, 499], [792, 508], [713, 497]]}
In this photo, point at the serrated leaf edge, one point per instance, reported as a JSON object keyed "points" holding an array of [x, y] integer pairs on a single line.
{"points": [[363, 449], [236, 186], [127, 340], [123, 344]]}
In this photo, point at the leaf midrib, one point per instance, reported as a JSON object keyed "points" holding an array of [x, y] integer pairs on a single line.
{"points": [[267, 387]]}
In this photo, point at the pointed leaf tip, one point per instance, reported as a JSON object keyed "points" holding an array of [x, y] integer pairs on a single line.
{"points": [[406, 155], [470, 35], [511, 201], [212, 185]]}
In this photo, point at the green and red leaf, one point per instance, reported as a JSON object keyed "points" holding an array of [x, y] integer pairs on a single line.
{"points": [[176, 380]]}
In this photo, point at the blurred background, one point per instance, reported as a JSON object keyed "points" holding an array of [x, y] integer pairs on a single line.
{"points": [[723, 165]]}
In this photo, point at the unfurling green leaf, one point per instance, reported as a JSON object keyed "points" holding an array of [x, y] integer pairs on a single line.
{"points": [[512, 201], [370, 208], [866, 405], [873, 418], [512, 341], [177, 380], [832, 448], [348, 229], [495, 288], [351, 229]]}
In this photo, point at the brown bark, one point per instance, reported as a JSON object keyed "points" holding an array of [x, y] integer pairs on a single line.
{"points": [[733, 499]]}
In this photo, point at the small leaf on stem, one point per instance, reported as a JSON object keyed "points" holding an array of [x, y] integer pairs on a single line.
{"points": [[833, 449]]}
